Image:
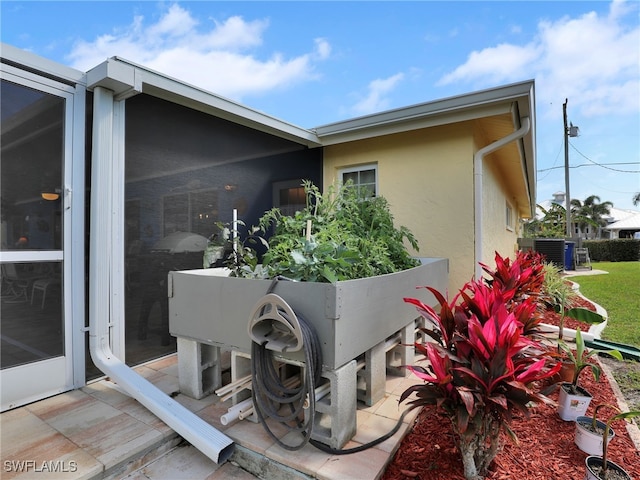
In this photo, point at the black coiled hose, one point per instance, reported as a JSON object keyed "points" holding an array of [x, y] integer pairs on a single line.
{"points": [[269, 394]]}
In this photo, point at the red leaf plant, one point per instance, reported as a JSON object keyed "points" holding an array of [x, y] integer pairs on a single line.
{"points": [[482, 367], [519, 280], [524, 275]]}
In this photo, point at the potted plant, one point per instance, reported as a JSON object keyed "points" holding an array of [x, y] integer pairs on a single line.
{"points": [[558, 295], [589, 431], [573, 399], [600, 468], [482, 368], [581, 314]]}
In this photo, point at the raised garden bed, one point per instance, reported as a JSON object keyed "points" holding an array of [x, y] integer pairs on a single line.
{"points": [[350, 317]]}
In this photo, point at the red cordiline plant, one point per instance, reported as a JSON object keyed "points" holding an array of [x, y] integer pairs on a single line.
{"points": [[482, 368], [519, 280], [524, 275]]}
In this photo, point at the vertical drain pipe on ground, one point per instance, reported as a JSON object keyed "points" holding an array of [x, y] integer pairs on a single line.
{"points": [[211, 442]]}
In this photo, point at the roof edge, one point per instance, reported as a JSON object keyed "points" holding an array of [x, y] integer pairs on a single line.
{"points": [[126, 78], [436, 107], [37, 64]]}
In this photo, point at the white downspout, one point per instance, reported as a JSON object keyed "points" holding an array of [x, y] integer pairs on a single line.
{"points": [[478, 159], [213, 443]]}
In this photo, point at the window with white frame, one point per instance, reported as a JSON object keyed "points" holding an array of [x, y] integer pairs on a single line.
{"points": [[364, 177], [509, 216]]}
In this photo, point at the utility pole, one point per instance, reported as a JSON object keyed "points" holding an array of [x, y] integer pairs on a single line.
{"points": [[566, 168]]}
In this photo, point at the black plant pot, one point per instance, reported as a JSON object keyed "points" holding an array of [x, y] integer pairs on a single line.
{"points": [[594, 466]]}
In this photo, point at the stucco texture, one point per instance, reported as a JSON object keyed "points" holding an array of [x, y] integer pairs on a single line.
{"points": [[427, 177], [497, 236]]}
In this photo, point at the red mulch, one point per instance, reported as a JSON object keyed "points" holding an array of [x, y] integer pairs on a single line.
{"points": [[553, 318], [546, 447]]}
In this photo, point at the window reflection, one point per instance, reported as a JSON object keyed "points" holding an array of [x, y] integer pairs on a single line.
{"points": [[31, 168], [31, 172], [31, 312]]}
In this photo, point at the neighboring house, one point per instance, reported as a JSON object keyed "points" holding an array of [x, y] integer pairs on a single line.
{"points": [[621, 223], [98, 167], [626, 227]]}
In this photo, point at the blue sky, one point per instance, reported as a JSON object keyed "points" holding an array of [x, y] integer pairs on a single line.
{"points": [[312, 63]]}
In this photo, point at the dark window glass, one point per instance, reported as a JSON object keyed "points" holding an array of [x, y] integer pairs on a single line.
{"points": [[186, 171]]}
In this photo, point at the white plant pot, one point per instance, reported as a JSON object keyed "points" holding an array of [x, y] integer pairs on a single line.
{"points": [[593, 461], [588, 441], [572, 406]]}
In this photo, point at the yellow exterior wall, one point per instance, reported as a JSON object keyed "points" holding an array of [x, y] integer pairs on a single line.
{"points": [[496, 235], [427, 177]]}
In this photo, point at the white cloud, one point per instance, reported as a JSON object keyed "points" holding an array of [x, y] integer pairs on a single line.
{"points": [[323, 48], [375, 99], [219, 56], [592, 59], [495, 64]]}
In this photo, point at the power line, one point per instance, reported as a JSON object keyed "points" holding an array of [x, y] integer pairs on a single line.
{"points": [[554, 162], [591, 164], [604, 165]]}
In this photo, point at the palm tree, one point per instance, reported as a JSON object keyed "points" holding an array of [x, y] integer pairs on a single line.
{"points": [[590, 212], [636, 199], [551, 225]]}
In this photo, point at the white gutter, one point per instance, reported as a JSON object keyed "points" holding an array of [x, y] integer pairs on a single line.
{"points": [[478, 160], [213, 443]]}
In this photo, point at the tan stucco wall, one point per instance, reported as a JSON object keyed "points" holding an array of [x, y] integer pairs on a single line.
{"points": [[427, 177], [496, 235]]}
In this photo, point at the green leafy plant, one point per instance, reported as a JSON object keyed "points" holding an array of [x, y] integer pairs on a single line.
{"points": [[559, 295], [607, 429], [556, 293], [337, 236], [580, 359], [551, 225], [218, 245], [481, 368]]}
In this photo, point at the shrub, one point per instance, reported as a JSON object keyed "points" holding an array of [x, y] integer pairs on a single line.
{"points": [[616, 250], [482, 367], [557, 293]]}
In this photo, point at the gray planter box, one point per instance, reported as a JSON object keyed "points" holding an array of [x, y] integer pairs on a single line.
{"points": [[350, 317]]}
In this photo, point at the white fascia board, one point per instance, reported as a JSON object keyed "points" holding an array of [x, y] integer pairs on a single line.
{"points": [[439, 112], [409, 123], [526, 108], [37, 64], [125, 78]]}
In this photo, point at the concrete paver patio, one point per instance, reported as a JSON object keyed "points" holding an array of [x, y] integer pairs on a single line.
{"points": [[100, 432]]}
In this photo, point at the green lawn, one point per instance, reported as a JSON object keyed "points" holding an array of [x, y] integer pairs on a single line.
{"points": [[618, 292]]}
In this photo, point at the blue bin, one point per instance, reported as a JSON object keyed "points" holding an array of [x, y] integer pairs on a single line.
{"points": [[568, 255]]}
